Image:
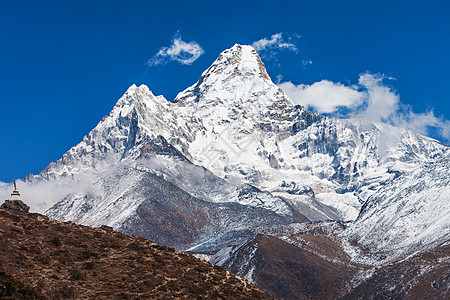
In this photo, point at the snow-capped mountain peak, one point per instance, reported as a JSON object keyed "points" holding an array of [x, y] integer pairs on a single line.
{"points": [[233, 137], [239, 61], [138, 97], [239, 58], [237, 76]]}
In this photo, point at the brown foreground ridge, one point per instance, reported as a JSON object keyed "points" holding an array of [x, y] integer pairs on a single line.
{"points": [[63, 260]]}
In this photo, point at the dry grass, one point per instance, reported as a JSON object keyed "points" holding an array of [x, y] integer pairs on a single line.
{"points": [[65, 260]]}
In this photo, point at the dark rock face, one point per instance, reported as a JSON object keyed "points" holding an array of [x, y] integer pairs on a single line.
{"points": [[180, 222], [15, 205]]}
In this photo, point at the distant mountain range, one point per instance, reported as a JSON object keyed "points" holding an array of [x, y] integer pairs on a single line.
{"points": [[232, 162]]}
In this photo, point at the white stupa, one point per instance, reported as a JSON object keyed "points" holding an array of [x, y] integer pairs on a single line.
{"points": [[15, 194], [15, 203]]}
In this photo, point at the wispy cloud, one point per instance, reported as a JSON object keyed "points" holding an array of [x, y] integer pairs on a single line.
{"points": [[371, 98], [276, 41], [423, 122], [180, 51], [278, 45], [306, 62]]}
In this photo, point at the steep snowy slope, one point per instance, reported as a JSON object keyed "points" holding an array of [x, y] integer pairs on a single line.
{"points": [[233, 138], [162, 196], [410, 214], [250, 130]]}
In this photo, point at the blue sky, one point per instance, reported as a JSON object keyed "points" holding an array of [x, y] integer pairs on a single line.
{"points": [[64, 64]]}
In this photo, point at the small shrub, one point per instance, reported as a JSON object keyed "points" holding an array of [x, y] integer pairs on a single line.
{"points": [[76, 274], [89, 265], [88, 254], [136, 246], [44, 259]]}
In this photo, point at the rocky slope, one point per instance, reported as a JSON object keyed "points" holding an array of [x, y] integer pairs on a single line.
{"points": [[64, 260], [289, 271], [424, 275], [158, 203]]}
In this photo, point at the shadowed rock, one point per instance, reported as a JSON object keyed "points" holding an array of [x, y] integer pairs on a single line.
{"points": [[16, 205]]}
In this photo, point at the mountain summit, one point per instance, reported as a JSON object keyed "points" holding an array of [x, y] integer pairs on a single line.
{"points": [[234, 89], [234, 68]]}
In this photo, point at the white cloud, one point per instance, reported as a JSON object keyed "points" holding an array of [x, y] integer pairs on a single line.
{"points": [[4, 185], [384, 105], [371, 99], [382, 101], [276, 41], [180, 51], [42, 195], [325, 96]]}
